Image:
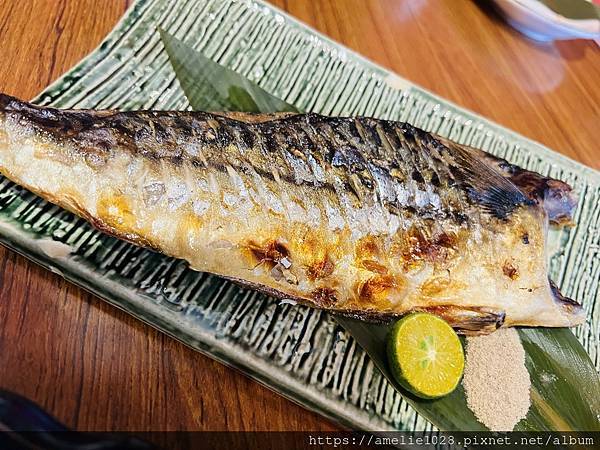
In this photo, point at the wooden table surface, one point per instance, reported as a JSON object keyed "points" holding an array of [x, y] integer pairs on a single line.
{"points": [[62, 347]]}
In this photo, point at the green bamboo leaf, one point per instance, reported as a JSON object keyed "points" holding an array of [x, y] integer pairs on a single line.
{"points": [[565, 385], [212, 87]]}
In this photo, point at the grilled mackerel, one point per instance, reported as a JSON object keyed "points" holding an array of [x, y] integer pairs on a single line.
{"points": [[368, 218]]}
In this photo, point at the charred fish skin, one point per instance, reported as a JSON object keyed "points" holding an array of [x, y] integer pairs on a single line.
{"points": [[556, 197], [365, 217]]}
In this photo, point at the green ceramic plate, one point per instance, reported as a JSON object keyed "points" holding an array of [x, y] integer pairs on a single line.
{"points": [[299, 352]]}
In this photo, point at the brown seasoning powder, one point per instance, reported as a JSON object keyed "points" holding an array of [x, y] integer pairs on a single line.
{"points": [[496, 380]]}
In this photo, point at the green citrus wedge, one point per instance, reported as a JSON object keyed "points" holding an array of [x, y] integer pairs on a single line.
{"points": [[425, 355]]}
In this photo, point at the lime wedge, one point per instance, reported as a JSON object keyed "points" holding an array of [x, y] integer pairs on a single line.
{"points": [[425, 355]]}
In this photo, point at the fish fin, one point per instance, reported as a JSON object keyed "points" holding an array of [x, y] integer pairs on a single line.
{"points": [[556, 197], [254, 117], [469, 320], [485, 185]]}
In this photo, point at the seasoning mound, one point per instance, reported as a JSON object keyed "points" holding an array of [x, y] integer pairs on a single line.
{"points": [[496, 380]]}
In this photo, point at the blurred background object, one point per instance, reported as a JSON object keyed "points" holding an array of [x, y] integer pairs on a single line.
{"points": [[550, 20]]}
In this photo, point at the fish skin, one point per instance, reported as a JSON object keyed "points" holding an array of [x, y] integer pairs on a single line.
{"points": [[368, 218]]}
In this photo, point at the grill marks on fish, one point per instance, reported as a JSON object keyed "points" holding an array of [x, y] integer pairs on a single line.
{"points": [[360, 160], [321, 268], [402, 183], [272, 253], [315, 151], [367, 217]]}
